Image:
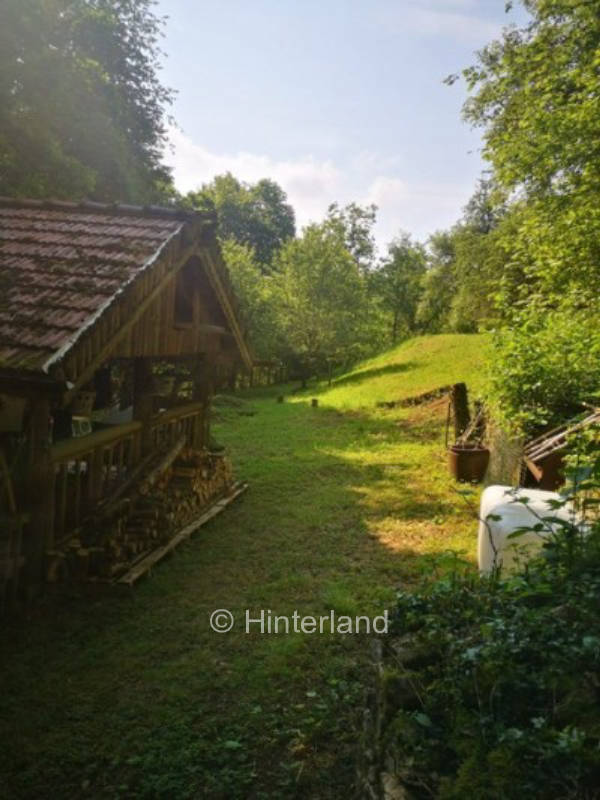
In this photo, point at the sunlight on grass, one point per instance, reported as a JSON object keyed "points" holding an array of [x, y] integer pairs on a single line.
{"points": [[415, 366]]}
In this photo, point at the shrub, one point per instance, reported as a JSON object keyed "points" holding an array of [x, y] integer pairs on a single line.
{"points": [[544, 365], [503, 676]]}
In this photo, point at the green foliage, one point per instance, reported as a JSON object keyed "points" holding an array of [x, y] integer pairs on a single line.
{"points": [[438, 284], [397, 283], [253, 290], [466, 267], [535, 93], [478, 267], [306, 300], [321, 300], [544, 365], [504, 674], [256, 216], [81, 106], [357, 223]]}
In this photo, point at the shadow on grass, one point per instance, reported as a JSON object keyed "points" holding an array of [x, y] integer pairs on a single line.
{"points": [[374, 372]]}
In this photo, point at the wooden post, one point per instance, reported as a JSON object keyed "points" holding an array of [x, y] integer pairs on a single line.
{"points": [[103, 387], [41, 484], [460, 407], [143, 409], [202, 377], [232, 378], [95, 478]]}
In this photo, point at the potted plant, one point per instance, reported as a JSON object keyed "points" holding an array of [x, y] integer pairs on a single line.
{"points": [[468, 458]]}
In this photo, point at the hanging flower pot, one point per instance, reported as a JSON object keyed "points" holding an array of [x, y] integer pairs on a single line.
{"points": [[468, 461]]}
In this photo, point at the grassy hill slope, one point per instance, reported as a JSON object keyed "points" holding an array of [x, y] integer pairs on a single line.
{"points": [[415, 366]]}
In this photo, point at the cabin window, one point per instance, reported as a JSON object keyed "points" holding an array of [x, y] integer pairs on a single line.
{"points": [[184, 296]]}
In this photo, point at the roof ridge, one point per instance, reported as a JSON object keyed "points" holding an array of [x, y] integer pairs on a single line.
{"points": [[126, 209]]}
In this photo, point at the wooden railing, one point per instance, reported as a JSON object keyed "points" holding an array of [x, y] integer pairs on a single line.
{"points": [[185, 420], [91, 468]]}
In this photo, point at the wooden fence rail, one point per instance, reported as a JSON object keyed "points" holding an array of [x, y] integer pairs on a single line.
{"points": [[90, 468]]}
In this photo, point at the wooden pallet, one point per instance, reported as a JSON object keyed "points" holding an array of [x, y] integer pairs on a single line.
{"points": [[544, 452], [144, 565]]}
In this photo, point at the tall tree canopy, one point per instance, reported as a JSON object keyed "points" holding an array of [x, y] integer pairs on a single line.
{"points": [[536, 94], [82, 110], [398, 284], [254, 215], [321, 300], [356, 224], [253, 290], [439, 284]]}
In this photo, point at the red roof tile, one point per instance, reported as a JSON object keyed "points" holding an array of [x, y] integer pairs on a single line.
{"points": [[61, 263]]}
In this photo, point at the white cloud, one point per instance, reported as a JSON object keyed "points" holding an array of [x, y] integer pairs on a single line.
{"points": [[310, 184], [454, 19], [419, 207]]}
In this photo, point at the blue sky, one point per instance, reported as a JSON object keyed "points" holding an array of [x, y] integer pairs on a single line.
{"points": [[337, 100]]}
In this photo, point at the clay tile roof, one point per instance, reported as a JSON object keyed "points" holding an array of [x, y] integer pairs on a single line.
{"points": [[60, 263]]}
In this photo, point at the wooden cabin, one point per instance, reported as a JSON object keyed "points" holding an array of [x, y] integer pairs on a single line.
{"points": [[115, 323]]}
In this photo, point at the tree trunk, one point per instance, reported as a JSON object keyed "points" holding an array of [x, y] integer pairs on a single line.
{"points": [[143, 408]]}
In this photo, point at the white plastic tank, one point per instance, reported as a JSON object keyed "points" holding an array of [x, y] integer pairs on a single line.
{"points": [[494, 548]]}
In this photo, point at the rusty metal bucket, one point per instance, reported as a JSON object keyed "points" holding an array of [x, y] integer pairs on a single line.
{"points": [[468, 462]]}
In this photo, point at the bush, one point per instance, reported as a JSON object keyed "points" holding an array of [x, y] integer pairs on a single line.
{"points": [[492, 687], [544, 365]]}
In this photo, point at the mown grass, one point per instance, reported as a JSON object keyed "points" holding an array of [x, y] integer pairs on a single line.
{"points": [[135, 696], [412, 368]]}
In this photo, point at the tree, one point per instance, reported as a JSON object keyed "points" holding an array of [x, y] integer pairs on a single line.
{"points": [[254, 215], [535, 94], [485, 208], [253, 291], [438, 284], [320, 299], [467, 266], [398, 284], [82, 111], [356, 223]]}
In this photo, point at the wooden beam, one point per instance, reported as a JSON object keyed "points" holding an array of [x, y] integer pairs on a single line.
{"points": [[143, 401], [88, 371], [41, 480], [22, 383], [213, 329], [70, 449], [223, 297]]}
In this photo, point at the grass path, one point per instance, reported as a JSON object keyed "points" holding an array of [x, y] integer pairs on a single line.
{"points": [[135, 696]]}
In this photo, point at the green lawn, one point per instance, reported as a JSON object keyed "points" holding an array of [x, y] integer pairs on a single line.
{"points": [[411, 368], [134, 695]]}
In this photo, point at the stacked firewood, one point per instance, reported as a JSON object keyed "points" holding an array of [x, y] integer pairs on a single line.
{"points": [[171, 495], [202, 474]]}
